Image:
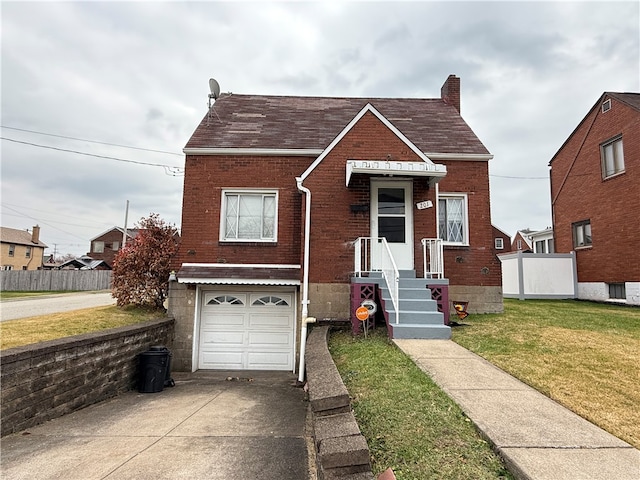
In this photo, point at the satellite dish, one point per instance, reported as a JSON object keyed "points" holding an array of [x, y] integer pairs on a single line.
{"points": [[214, 87]]}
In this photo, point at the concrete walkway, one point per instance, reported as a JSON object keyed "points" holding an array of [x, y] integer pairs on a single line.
{"points": [[537, 438], [254, 426]]}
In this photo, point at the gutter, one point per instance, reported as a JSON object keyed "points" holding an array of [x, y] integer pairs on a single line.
{"points": [[305, 282]]}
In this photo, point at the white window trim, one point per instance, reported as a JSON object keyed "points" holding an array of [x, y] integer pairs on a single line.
{"points": [[465, 225], [498, 243], [94, 248], [246, 191]]}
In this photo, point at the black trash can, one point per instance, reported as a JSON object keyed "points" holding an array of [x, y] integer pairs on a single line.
{"points": [[168, 381], [153, 369]]}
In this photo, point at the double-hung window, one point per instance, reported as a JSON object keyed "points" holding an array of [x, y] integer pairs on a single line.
{"points": [[612, 157], [582, 234], [453, 222], [249, 216]]}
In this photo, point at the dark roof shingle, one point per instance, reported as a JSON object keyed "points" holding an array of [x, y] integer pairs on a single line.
{"points": [[287, 122]]}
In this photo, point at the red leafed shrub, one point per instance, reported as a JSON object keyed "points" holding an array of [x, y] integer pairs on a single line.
{"points": [[141, 269]]}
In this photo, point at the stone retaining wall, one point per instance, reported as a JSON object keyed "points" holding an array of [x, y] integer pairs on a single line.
{"points": [[46, 380], [341, 450]]}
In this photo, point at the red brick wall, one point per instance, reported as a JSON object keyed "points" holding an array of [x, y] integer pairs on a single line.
{"points": [[610, 205], [109, 253], [207, 176], [333, 226]]}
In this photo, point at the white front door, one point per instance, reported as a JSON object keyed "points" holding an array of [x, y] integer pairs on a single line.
{"points": [[392, 218]]}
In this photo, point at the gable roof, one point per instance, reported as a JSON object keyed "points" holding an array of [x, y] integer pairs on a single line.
{"points": [[631, 100], [307, 125], [19, 237], [131, 232]]}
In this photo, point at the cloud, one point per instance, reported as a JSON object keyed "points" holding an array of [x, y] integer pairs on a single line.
{"points": [[136, 73]]}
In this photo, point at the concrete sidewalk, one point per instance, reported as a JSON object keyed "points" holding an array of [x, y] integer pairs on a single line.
{"points": [[537, 438], [253, 426]]}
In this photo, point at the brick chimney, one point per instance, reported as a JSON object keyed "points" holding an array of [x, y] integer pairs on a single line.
{"points": [[35, 234], [450, 92]]}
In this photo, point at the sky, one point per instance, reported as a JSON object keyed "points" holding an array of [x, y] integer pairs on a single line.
{"points": [[98, 99]]}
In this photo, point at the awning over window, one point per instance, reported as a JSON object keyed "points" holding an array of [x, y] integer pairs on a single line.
{"points": [[236, 274], [396, 168]]}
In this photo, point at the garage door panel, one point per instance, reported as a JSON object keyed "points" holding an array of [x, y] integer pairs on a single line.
{"points": [[269, 361], [222, 359], [270, 340], [223, 319], [214, 338], [257, 320]]}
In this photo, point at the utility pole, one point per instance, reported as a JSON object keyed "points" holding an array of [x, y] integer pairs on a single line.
{"points": [[124, 233]]}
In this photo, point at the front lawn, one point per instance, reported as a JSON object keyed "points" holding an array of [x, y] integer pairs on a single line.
{"points": [[584, 355], [25, 331], [409, 423]]}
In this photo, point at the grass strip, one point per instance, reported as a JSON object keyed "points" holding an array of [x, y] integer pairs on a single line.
{"points": [[25, 331], [10, 295], [584, 355], [409, 423]]}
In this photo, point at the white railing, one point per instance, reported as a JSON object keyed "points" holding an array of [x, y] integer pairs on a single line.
{"points": [[433, 256], [374, 255]]}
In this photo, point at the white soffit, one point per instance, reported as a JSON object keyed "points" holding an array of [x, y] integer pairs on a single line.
{"points": [[395, 168], [239, 281]]}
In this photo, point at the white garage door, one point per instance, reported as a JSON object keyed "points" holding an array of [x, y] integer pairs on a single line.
{"points": [[247, 330]]}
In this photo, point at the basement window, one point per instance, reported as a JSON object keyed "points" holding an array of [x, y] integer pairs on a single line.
{"points": [[617, 291]]}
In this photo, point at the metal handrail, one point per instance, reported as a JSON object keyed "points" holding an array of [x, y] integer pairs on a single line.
{"points": [[380, 260], [433, 257]]}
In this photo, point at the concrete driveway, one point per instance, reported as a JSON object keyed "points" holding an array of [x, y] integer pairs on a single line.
{"points": [[211, 425], [47, 304]]}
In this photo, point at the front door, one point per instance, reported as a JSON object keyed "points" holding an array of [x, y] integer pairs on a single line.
{"points": [[392, 218]]}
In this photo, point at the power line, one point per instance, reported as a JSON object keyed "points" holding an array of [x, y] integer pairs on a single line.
{"points": [[169, 170], [44, 223], [90, 141], [519, 178]]}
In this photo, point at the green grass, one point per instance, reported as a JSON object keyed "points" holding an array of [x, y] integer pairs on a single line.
{"points": [[10, 295], [584, 355], [409, 423], [25, 331]]}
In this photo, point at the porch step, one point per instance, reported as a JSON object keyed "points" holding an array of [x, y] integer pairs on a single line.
{"points": [[412, 331], [417, 311]]}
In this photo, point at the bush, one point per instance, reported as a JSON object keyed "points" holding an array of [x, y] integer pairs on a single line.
{"points": [[141, 268]]}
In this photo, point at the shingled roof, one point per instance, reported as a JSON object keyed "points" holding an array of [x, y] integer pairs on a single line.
{"points": [[288, 122], [19, 237]]}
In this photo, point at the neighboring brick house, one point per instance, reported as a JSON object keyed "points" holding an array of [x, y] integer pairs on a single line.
{"points": [[595, 199], [21, 249], [282, 195], [106, 245], [501, 241], [522, 242]]}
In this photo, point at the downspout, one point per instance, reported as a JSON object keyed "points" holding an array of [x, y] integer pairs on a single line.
{"points": [[305, 282]]}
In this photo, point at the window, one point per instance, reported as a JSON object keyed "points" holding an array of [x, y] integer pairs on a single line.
{"points": [[27, 252], [582, 234], [248, 216], [270, 301], [539, 246], [115, 246], [225, 300], [612, 157], [519, 244], [12, 250], [606, 105], [499, 243], [98, 247], [7, 267], [452, 218], [617, 291], [391, 214]]}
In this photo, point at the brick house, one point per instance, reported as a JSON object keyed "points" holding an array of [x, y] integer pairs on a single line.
{"points": [[501, 241], [293, 203], [595, 197], [21, 249], [106, 245]]}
